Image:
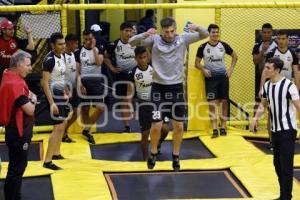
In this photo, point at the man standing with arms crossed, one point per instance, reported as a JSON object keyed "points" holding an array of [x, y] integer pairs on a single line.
{"points": [[167, 90]]}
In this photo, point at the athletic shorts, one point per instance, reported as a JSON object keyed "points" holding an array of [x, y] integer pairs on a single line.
{"points": [[121, 88], [217, 88], [145, 110], [94, 89], [169, 101], [145, 115], [43, 114], [74, 101]]}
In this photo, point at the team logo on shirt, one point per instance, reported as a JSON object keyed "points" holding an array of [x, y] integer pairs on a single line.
{"points": [[119, 48], [139, 76], [289, 59], [13, 45], [212, 59], [208, 50], [221, 49], [25, 146], [176, 43]]}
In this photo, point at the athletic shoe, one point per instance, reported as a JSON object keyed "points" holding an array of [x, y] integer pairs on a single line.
{"points": [[67, 139], [223, 132], [57, 157], [175, 164], [51, 165], [215, 133], [151, 161], [90, 137], [127, 129]]}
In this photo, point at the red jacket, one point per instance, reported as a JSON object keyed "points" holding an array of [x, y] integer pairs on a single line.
{"points": [[12, 87]]}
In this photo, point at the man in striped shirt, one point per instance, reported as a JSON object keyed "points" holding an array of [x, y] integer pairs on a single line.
{"points": [[281, 96]]}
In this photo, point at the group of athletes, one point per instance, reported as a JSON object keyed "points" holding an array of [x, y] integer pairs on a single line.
{"points": [[157, 87], [148, 69]]}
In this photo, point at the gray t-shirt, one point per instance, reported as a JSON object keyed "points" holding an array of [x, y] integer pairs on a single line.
{"points": [[168, 58]]}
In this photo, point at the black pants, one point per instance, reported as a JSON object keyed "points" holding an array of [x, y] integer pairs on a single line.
{"points": [[17, 152], [284, 147]]}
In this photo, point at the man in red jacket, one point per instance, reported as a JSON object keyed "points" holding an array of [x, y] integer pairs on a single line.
{"points": [[9, 44], [16, 114]]}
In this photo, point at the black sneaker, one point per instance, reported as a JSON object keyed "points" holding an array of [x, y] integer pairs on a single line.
{"points": [[175, 164], [151, 161], [270, 146], [215, 133], [127, 129], [223, 132], [90, 137], [51, 165], [57, 157], [67, 139]]}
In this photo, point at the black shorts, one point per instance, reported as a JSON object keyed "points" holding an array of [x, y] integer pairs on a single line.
{"points": [[145, 115], [121, 88], [169, 101], [94, 89], [145, 109], [74, 101], [43, 114], [217, 88]]}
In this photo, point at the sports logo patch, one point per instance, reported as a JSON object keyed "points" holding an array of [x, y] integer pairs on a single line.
{"points": [[25, 146]]}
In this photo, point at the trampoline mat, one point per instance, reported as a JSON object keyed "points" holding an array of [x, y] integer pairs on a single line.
{"points": [[297, 174], [35, 152], [34, 188], [179, 185], [262, 144], [131, 151]]}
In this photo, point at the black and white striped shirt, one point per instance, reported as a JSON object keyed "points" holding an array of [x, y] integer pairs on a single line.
{"points": [[282, 111]]}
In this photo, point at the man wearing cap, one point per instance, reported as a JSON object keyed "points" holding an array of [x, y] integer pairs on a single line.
{"points": [[100, 41], [9, 44]]}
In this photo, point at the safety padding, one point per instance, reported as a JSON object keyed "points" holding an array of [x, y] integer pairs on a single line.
{"points": [[82, 177]]}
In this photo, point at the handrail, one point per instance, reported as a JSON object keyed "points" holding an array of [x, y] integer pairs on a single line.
{"points": [[205, 5]]}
